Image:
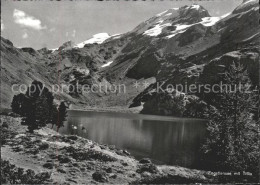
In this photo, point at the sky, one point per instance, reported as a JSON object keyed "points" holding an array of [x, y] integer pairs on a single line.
{"points": [[39, 24]]}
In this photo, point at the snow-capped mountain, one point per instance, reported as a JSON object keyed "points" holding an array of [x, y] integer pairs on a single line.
{"points": [[179, 45], [98, 38]]}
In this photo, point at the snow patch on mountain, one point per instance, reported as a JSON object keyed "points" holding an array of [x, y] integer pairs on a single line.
{"points": [[194, 7], [206, 21], [249, 38], [97, 38], [54, 49], [168, 14], [225, 15], [179, 29], [116, 36], [156, 30], [160, 14], [107, 64], [210, 21]]}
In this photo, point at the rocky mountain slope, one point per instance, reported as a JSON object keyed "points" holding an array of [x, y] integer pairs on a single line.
{"points": [[178, 46], [203, 54]]}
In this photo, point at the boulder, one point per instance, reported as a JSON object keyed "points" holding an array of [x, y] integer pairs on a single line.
{"points": [[72, 137], [5, 125], [109, 170], [44, 146], [63, 159], [48, 165], [145, 161], [151, 168], [100, 176]]}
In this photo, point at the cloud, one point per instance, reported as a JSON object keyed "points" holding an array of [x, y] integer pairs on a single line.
{"points": [[73, 33], [24, 20], [25, 35], [67, 34], [2, 25]]}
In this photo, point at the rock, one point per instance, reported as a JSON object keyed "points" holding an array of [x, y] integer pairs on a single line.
{"points": [[61, 170], [72, 137], [18, 148], [146, 174], [100, 176], [52, 156], [120, 171], [102, 147], [82, 169], [34, 151], [89, 167], [75, 164], [5, 125], [126, 152], [38, 141], [113, 176], [63, 159], [12, 114], [44, 146], [147, 168], [112, 147], [145, 161], [43, 175], [132, 175], [124, 163], [109, 170], [122, 152], [48, 165], [71, 180], [75, 170]]}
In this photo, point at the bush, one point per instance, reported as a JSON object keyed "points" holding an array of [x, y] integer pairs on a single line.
{"points": [[10, 174]]}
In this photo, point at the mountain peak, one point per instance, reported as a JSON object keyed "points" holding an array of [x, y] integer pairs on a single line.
{"points": [[186, 15], [194, 11], [66, 45]]}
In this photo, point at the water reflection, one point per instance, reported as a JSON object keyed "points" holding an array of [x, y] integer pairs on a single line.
{"points": [[166, 140]]}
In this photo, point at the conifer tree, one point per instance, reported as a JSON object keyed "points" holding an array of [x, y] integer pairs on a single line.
{"points": [[17, 103], [62, 111], [232, 131], [37, 107]]}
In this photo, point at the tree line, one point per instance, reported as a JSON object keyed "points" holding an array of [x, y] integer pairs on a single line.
{"points": [[37, 108]]}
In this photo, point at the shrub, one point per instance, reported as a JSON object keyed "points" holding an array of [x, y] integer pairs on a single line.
{"points": [[10, 174]]}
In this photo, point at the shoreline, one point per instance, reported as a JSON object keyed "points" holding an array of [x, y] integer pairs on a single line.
{"points": [[134, 110]]}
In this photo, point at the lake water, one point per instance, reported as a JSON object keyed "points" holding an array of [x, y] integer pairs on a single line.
{"points": [[166, 140]]}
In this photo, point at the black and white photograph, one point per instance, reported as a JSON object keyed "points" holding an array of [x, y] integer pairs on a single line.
{"points": [[130, 92]]}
